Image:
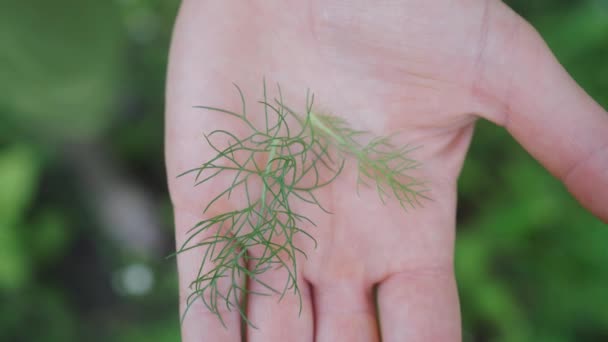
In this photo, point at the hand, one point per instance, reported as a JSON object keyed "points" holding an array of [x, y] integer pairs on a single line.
{"points": [[428, 69]]}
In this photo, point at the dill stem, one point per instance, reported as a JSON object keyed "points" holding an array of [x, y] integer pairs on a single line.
{"points": [[319, 124], [342, 143], [271, 155]]}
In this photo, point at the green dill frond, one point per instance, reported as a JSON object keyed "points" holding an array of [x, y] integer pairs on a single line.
{"points": [[288, 158], [296, 165], [380, 161]]}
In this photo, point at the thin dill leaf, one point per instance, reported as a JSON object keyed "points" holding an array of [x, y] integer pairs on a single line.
{"points": [[265, 108], [378, 161]]}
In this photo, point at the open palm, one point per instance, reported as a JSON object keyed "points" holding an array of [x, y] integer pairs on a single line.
{"points": [[427, 69]]}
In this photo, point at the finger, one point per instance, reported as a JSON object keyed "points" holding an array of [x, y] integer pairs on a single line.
{"points": [[344, 312], [549, 114], [199, 322], [277, 319], [419, 306]]}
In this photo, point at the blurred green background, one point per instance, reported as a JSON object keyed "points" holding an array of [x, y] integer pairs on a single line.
{"points": [[85, 219]]}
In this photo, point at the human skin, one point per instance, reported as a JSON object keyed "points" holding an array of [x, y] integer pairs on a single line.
{"points": [[428, 69]]}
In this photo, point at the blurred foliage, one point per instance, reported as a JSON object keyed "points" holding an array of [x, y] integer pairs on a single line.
{"points": [[79, 72], [18, 177], [531, 263], [60, 59]]}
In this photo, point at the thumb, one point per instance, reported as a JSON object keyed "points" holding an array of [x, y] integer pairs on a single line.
{"points": [[546, 111]]}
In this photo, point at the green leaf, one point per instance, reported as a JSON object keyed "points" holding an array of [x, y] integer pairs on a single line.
{"points": [[18, 178]]}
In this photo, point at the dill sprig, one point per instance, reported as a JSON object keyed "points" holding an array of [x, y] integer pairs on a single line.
{"points": [[379, 160], [288, 158]]}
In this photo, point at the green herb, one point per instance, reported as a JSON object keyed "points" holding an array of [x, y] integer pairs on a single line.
{"points": [[301, 153]]}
